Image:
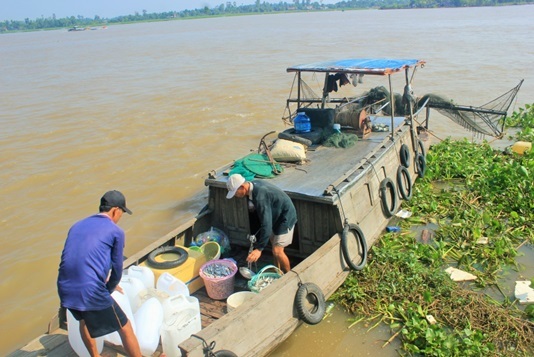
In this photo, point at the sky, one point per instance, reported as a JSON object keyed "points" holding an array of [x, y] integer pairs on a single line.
{"points": [[21, 9]]}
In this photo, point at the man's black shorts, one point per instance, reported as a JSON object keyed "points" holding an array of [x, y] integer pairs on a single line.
{"points": [[102, 322]]}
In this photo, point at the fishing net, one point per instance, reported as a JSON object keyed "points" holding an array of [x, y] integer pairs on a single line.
{"points": [[340, 140], [466, 119], [306, 91], [349, 115], [306, 94], [377, 99], [487, 119]]}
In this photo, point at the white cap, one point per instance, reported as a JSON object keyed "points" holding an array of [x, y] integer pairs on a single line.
{"points": [[234, 182]]}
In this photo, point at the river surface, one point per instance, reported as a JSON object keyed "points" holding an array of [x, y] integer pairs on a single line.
{"points": [[149, 109]]}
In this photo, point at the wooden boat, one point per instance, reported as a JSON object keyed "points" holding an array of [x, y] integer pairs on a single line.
{"points": [[344, 198], [77, 28]]}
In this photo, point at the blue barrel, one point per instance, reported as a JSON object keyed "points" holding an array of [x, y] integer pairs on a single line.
{"points": [[302, 123]]}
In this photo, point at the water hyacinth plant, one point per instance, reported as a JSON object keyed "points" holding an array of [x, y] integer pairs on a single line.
{"points": [[471, 194]]}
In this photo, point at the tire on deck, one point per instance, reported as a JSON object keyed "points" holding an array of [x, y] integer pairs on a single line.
{"points": [[167, 264]]}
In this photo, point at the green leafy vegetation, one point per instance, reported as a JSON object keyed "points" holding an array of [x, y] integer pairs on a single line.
{"points": [[232, 9], [470, 193], [523, 119]]}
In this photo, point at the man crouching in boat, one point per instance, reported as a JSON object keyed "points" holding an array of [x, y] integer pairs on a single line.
{"points": [[93, 246], [276, 212]]}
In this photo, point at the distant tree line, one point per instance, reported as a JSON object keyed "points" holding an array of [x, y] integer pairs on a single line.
{"points": [[231, 8]]}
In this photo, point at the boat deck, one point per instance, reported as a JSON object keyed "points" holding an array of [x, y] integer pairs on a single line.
{"points": [[313, 177]]}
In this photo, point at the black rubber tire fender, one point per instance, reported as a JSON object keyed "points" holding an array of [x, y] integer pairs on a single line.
{"points": [[294, 138], [168, 264], [310, 294], [360, 240], [314, 136], [224, 353], [404, 181], [420, 163], [420, 148], [404, 154], [388, 185]]}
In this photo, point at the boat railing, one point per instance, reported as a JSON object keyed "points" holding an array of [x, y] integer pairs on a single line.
{"points": [[427, 116], [352, 100], [316, 100], [376, 111], [343, 100], [421, 108], [183, 232]]}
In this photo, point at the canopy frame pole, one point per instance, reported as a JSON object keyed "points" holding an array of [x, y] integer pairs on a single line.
{"points": [[410, 106], [392, 104], [325, 90], [298, 89]]}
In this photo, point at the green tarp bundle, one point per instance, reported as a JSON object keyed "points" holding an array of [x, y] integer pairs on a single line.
{"points": [[255, 165]]}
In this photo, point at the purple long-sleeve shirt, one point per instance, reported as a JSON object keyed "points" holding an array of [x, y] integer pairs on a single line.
{"points": [[94, 245]]}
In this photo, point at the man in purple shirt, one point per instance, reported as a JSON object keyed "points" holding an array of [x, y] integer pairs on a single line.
{"points": [[91, 269]]}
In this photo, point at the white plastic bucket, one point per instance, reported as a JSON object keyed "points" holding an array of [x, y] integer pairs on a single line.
{"points": [[236, 299], [75, 339], [148, 320], [171, 285], [132, 287], [145, 274], [181, 320], [124, 303]]}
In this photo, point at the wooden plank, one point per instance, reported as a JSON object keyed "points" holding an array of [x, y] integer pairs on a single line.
{"points": [[53, 345]]}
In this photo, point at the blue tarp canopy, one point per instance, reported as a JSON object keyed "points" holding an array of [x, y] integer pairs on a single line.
{"points": [[379, 66]]}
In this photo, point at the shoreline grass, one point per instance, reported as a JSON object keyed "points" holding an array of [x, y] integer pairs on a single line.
{"points": [[470, 192]]}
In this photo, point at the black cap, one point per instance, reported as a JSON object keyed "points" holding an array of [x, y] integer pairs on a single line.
{"points": [[114, 199]]}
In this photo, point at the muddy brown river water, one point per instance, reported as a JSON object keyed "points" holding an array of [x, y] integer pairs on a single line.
{"points": [[151, 108]]}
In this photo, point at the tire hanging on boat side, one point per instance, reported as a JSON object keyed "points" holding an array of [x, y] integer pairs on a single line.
{"points": [[385, 186], [420, 163], [404, 154], [420, 148], [420, 158], [310, 295], [360, 242], [405, 182], [167, 264]]}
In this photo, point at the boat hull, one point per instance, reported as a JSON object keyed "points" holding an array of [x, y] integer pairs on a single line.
{"points": [[270, 317]]}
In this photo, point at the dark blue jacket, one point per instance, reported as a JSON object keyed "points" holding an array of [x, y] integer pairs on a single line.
{"points": [[276, 212]]}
